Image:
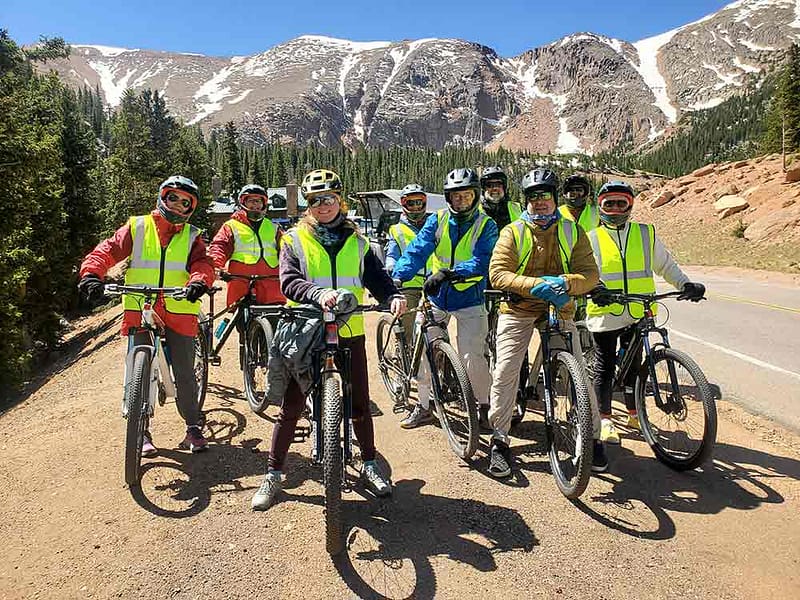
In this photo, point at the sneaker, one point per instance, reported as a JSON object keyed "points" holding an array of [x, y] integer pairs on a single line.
{"points": [[374, 480], [265, 495], [194, 440], [483, 418], [599, 458], [148, 449], [500, 459], [633, 422], [419, 416], [608, 433]]}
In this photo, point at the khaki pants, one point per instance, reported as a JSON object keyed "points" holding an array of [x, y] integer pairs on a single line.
{"points": [[513, 336], [471, 330], [412, 301]]}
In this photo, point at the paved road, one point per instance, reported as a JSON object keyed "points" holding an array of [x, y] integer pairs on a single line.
{"points": [[746, 337]]}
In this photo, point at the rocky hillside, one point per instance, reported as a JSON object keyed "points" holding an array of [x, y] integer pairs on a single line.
{"points": [[744, 213], [585, 92]]}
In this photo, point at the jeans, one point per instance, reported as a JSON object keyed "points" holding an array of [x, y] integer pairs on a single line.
{"points": [[604, 367]]}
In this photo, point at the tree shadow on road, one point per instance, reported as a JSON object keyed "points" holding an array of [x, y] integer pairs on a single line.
{"points": [[178, 484], [638, 497], [389, 546]]}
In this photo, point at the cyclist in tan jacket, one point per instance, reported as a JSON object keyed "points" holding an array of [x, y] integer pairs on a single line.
{"points": [[542, 258]]}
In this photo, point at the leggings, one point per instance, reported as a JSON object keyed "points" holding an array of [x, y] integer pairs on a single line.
{"points": [[604, 366], [294, 402]]}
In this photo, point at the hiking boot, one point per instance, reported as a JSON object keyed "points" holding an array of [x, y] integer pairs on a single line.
{"points": [[148, 449], [608, 433], [599, 458], [500, 459], [419, 416], [265, 495], [194, 440], [633, 422], [374, 480], [483, 418]]}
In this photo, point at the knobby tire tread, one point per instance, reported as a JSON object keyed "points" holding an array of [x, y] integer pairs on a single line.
{"points": [[332, 468], [465, 452], [259, 333], [136, 394]]}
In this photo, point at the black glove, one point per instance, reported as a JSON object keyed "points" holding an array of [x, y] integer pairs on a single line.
{"points": [[602, 296], [195, 290], [692, 291], [90, 288], [434, 283]]}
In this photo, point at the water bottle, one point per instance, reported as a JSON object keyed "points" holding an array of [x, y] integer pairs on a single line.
{"points": [[620, 354], [221, 327]]}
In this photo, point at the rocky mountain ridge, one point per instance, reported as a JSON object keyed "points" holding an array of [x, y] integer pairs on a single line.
{"points": [[584, 92]]}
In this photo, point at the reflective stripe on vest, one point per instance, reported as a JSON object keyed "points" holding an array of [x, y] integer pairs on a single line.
{"points": [[589, 219], [347, 271], [523, 238], [403, 235], [162, 267], [250, 246], [630, 273], [446, 257]]}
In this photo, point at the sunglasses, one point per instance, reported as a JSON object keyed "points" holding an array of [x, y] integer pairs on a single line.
{"points": [[493, 185], [539, 196], [323, 200], [414, 203], [180, 201], [575, 193], [252, 197], [619, 203]]}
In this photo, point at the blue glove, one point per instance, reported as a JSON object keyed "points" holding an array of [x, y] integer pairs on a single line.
{"points": [[559, 284], [561, 299], [544, 291]]}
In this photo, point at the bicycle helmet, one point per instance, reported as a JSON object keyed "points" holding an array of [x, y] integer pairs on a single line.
{"points": [[462, 179], [414, 191], [321, 180], [612, 213], [494, 174], [540, 179], [181, 183], [577, 190], [253, 189]]}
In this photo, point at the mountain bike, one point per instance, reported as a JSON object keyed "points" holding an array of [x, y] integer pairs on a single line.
{"points": [[526, 390], [568, 412], [329, 409], [674, 402], [148, 373], [453, 400], [254, 324]]}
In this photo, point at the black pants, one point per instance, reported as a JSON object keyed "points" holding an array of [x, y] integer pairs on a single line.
{"points": [[604, 365]]}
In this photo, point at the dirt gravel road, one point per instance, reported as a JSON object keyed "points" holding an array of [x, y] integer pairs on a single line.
{"points": [[71, 529]]}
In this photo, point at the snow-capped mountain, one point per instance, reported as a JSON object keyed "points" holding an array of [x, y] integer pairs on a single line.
{"points": [[584, 92]]}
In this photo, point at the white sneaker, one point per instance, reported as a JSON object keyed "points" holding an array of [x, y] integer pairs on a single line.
{"points": [[375, 480], [265, 495], [608, 433]]}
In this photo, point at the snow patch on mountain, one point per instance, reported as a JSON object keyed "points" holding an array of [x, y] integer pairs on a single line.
{"points": [[214, 92], [107, 51], [346, 44], [112, 90], [648, 68]]}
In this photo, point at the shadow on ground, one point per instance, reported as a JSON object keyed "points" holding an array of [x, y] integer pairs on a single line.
{"points": [[390, 543]]}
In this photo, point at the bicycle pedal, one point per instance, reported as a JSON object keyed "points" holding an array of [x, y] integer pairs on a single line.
{"points": [[301, 433], [215, 361]]}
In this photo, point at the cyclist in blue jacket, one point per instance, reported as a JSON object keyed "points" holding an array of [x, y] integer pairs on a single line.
{"points": [[459, 241]]}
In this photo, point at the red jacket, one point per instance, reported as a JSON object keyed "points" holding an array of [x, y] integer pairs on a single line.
{"points": [[268, 291], [119, 247]]}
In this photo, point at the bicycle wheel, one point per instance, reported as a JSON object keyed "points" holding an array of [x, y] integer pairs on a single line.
{"points": [[332, 464], [456, 406], [571, 446], [683, 431], [136, 399], [201, 364], [391, 361], [256, 362]]}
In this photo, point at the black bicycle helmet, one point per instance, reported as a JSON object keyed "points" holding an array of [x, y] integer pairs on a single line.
{"points": [[540, 179], [574, 183]]}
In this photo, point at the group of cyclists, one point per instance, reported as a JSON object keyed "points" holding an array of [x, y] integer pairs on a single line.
{"points": [[541, 253]]}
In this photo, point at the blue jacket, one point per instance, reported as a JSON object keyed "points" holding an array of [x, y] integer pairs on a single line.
{"points": [[392, 249], [424, 244]]}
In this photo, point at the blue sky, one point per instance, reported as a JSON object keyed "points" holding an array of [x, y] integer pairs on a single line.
{"points": [[234, 27]]}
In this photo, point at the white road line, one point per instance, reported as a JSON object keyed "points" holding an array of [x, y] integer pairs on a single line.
{"points": [[739, 355]]}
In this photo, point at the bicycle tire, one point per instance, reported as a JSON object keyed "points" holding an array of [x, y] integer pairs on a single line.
{"points": [[256, 363], [136, 399], [572, 475], [655, 436], [462, 432], [397, 387], [201, 365], [332, 469]]}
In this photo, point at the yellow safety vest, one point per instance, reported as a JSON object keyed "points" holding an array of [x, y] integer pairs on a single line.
{"points": [[250, 246], [162, 267], [523, 239], [446, 257], [403, 235], [514, 211], [346, 272], [589, 219], [629, 273]]}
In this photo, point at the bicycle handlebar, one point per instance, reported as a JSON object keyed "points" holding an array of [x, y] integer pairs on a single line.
{"points": [[225, 276], [113, 289], [622, 298]]}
